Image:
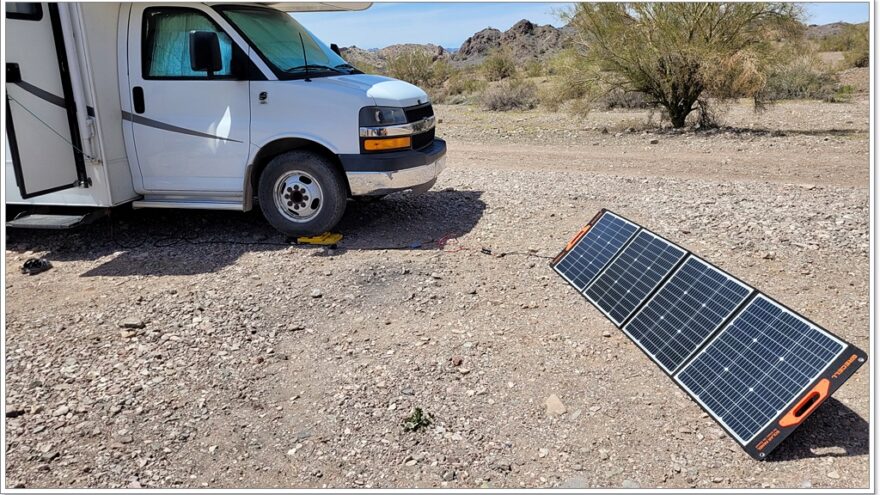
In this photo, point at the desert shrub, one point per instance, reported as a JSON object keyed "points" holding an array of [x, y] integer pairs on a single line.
{"points": [[842, 94], [499, 65], [852, 40], [799, 76], [413, 66], [652, 48], [510, 94], [570, 81], [534, 68], [461, 87], [620, 98]]}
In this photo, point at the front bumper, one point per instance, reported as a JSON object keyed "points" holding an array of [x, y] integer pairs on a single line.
{"points": [[383, 173]]}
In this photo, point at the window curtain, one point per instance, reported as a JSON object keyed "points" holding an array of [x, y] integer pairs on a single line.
{"points": [[170, 44]]}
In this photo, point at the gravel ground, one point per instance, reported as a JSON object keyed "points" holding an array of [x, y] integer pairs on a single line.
{"points": [[151, 357]]}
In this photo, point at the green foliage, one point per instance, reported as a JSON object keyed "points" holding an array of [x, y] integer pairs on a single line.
{"points": [[416, 420], [534, 68], [678, 53], [413, 66], [572, 79], [510, 94], [499, 65], [799, 74], [461, 86], [852, 40], [842, 94]]}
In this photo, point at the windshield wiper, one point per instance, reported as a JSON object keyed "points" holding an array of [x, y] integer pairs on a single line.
{"points": [[313, 66]]}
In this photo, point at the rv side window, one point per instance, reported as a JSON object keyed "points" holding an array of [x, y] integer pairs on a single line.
{"points": [[166, 44], [24, 11]]}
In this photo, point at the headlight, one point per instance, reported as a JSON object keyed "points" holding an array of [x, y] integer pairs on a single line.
{"points": [[378, 116]]}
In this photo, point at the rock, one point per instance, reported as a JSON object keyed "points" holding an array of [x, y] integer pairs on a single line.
{"points": [[456, 360], [316, 293], [61, 411], [448, 475], [554, 406], [833, 475], [49, 456], [653, 141], [14, 413], [542, 453], [630, 484], [132, 323], [603, 454], [212, 449], [606, 333]]}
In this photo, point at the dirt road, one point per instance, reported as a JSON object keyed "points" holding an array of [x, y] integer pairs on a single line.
{"points": [[193, 349]]}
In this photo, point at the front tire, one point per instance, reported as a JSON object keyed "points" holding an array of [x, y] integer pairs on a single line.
{"points": [[301, 193]]}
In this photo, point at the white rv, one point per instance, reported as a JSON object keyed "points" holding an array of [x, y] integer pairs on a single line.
{"points": [[193, 105]]}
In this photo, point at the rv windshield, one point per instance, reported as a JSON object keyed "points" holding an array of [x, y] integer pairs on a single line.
{"points": [[284, 43]]}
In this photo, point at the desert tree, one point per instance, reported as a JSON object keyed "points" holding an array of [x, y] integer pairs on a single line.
{"points": [[679, 54]]}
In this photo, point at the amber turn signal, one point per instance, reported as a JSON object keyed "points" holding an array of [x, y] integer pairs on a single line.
{"points": [[387, 144]]}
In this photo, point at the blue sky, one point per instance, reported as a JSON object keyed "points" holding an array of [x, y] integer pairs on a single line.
{"points": [[449, 24]]}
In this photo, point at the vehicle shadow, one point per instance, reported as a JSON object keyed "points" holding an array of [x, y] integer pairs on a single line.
{"points": [[833, 430], [189, 242]]}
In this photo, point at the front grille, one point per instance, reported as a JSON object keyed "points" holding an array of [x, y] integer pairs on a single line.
{"points": [[417, 113], [423, 140]]}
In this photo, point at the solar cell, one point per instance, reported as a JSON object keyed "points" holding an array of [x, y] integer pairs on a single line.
{"points": [[595, 249], [633, 275], [758, 366], [685, 312]]}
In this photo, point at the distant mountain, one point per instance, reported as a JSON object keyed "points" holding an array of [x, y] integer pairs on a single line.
{"points": [[525, 40], [816, 32]]}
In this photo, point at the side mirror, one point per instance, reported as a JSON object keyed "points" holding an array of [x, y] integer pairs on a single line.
{"points": [[204, 52], [335, 48]]}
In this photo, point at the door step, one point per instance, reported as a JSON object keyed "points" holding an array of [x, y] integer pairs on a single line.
{"points": [[189, 204], [55, 221]]}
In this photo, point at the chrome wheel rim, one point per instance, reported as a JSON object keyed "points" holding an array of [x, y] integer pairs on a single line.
{"points": [[298, 196]]}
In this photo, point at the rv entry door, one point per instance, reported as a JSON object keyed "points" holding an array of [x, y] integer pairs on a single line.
{"points": [[41, 129]]}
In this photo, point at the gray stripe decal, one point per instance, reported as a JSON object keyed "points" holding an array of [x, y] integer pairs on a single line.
{"points": [[137, 119], [47, 96]]}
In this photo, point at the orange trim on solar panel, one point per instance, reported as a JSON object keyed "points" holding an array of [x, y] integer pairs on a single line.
{"points": [[577, 237], [807, 405]]}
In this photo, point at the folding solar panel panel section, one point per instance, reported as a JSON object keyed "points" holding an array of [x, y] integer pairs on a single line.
{"points": [[755, 369], [595, 249], [685, 312], [633, 275]]}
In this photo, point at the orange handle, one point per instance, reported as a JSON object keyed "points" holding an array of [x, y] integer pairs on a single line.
{"points": [[577, 237], [807, 405]]}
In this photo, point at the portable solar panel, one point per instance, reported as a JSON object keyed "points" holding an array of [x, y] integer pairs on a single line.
{"points": [[593, 248], [758, 368]]}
